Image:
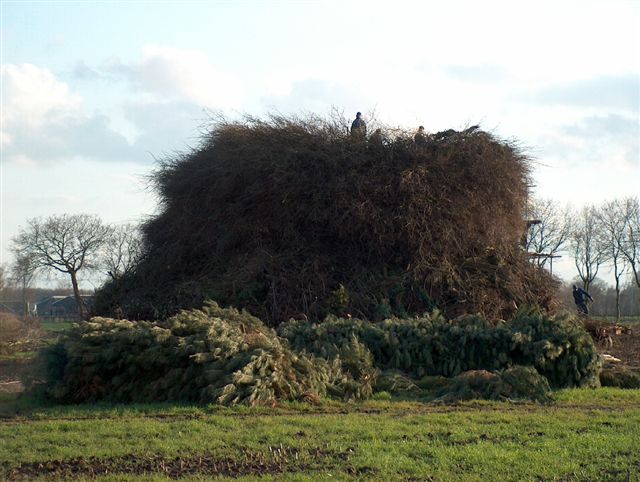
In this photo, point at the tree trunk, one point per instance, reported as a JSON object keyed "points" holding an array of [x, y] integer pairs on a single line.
{"points": [[636, 275], [617, 299], [25, 307], [76, 294]]}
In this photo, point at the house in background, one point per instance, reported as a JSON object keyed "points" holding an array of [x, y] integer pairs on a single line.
{"points": [[17, 308], [61, 306], [45, 306]]}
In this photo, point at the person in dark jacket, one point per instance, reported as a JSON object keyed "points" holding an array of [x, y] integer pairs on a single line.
{"points": [[580, 296], [358, 127], [420, 138]]}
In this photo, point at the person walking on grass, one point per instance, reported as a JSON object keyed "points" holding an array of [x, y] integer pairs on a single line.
{"points": [[580, 296]]}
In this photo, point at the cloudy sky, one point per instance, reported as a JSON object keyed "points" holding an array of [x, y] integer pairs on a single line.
{"points": [[93, 93]]}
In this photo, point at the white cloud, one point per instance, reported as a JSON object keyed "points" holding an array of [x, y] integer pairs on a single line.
{"points": [[604, 143], [318, 96], [620, 92], [594, 159], [165, 127], [169, 73], [31, 98], [43, 120]]}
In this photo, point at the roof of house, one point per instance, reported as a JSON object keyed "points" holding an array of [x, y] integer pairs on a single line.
{"points": [[15, 307], [57, 298], [72, 298]]}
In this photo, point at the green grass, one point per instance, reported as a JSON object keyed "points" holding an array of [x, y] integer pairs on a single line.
{"points": [[19, 356], [584, 435], [55, 326]]}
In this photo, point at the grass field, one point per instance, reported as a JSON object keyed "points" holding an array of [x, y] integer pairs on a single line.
{"points": [[55, 326], [583, 435]]}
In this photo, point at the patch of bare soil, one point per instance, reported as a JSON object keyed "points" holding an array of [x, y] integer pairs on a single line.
{"points": [[11, 372], [13, 386], [276, 461], [625, 346]]}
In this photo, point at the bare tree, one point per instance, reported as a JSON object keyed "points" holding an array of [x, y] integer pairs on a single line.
{"points": [[551, 233], [588, 253], [122, 250], [3, 276], [630, 247], [23, 271], [612, 220], [67, 244]]}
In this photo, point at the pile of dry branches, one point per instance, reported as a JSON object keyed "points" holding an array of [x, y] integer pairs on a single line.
{"points": [[291, 217]]}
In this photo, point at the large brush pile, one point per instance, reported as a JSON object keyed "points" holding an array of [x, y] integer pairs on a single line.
{"points": [[556, 347], [211, 355], [292, 217], [228, 357]]}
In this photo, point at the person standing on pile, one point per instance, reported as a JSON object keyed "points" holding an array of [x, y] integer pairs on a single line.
{"points": [[376, 139], [358, 127], [580, 296], [420, 138]]}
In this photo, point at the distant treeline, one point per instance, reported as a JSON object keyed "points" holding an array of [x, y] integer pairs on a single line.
{"points": [[604, 297], [598, 238]]}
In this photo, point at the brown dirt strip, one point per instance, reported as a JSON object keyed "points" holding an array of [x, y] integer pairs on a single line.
{"points": [[13, 386], [277, 461], [625, 347], [12, 370]]}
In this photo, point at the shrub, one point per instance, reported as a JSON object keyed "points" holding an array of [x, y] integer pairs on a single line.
{"points": [[555, 346], [209, 355], [10, 327], [382, 396], [519, 382], [514, 383], [229, 357], [619, 377], [558, 347]]}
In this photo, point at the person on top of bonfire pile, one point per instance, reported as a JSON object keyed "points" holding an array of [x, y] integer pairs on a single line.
{"points": [[580, 296], [358, 127], [421, 137], [376, 139]]}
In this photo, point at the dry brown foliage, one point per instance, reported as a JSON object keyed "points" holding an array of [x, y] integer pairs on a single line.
{"points": [[277, 214], [11, 327], [18, 335]]}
